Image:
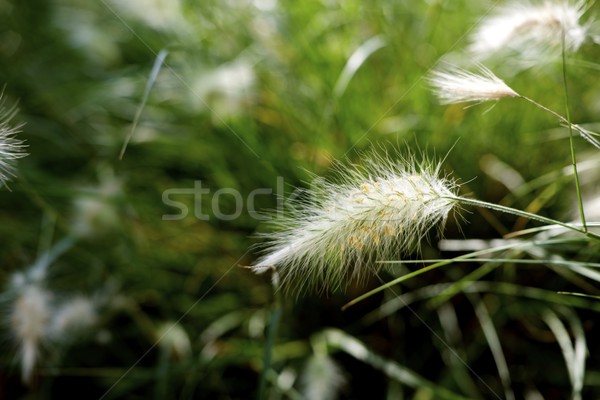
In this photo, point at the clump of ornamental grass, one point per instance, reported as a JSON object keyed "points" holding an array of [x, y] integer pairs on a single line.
{"points": [[335, 234], [11, 148], [535, 31]]}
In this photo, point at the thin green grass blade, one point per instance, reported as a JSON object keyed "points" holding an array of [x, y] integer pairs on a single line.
{"points": [[430, 292], [570, 127], [524, 214], [573, 353], [268, 351], [342, 341], [575, 279], [475, 254], [557, 177], [588, 135], [158, 63], [578, 267], [491, 336], [222, 325], [276, 312], [463, 283], [453, 346], [546, 228], [355, 61], [589, 296], [499, 260], [424, 270]]}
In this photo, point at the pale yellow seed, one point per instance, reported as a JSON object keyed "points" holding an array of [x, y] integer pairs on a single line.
{"points": [[366, 188], [389, 230], [354, 241]]}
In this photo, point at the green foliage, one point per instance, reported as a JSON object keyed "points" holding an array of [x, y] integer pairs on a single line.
{"points": [[250, 91]]}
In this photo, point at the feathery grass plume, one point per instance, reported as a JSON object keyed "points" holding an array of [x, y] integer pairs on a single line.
{"points": [[29, 318], [456, 85], [335, 234], [11, 148], [533, 30]]}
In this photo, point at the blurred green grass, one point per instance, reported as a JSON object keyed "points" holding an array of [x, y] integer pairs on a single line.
{"points": [[248, 94]]}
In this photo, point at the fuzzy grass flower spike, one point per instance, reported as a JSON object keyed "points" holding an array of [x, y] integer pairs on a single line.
{"points": [[28, 321], [334, 236], [455, 85], [11, 148], [531, 29]]}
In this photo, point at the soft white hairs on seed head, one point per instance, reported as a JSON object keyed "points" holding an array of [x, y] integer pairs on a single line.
{"points": [[380, 210], [532, 29], [455, 85], [11, 148]]}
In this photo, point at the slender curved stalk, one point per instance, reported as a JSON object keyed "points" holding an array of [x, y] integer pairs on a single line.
{"points": [[427, 269], [567, 122], [497, 260], [521, 213], [573, 159], [340, 340], [271, 333], [158, 63]]}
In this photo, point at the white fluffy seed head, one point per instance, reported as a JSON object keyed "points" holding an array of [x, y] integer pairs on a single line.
{"points": [[455, 85], [11, 148], [335, 234], [29, 319], [532, 29]]}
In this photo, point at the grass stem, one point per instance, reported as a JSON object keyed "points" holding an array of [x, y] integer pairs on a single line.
{"points": [[271, 334], [521, 213], [572, 147]]}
